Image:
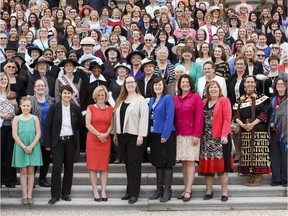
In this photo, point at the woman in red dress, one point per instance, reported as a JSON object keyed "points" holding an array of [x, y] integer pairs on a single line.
{"points": [[99, 122]]}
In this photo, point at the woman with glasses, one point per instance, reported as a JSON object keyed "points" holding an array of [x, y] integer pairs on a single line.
{"points": [[130, 128], [40, 106], [61, 53], [42, 42], [148, 49]]}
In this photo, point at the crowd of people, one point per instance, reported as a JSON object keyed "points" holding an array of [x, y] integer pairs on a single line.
{"points": [[198, 82]]}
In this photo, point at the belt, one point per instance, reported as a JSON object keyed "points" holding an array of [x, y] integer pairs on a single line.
{"points": [[65, 137]]}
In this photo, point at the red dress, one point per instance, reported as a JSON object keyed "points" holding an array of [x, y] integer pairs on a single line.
{"points": [[97, 153]]}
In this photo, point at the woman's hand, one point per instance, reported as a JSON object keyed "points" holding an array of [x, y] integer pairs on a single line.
{"points": [[139, 140], [224, 140], [28, 150], [163, 140], [248, 126], [195, 141], [102, 137], [115, 139], [6, 116]]}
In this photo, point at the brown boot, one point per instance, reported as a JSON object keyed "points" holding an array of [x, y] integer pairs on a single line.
{"points": [[256, 182], [251, 180]]}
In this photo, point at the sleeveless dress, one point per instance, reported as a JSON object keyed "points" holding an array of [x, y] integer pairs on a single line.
{"points": [[26, 132], [98, 153]]}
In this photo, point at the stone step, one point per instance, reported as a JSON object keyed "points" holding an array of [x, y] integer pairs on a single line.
{"points": [[117, 191], [150, 179], [80, 167], [144, 204]]}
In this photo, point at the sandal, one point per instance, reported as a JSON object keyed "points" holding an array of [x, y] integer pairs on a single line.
{"points": [[186, 199]]}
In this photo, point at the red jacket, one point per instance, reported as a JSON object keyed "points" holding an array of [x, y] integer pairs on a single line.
{"points": [[189, 116], [221, 119]]}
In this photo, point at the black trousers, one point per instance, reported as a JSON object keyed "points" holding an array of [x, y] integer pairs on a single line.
{"points": [[278, 157], [8, 173], [46, 156], [132, 156], [62, 153]]}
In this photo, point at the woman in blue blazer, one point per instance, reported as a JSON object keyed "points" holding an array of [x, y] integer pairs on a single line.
{"points": [[162, 138]]}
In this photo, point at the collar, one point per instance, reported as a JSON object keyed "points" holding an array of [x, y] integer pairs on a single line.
{"points": [[93, 78]]}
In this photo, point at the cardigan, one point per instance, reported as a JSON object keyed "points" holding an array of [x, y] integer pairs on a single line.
{"points": [[221, 119], [189, 115], [136, 118], [202, 85], [163, 115]]}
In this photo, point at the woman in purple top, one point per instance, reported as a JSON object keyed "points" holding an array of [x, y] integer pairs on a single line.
{"points": [[189, 119], [134, 59]]}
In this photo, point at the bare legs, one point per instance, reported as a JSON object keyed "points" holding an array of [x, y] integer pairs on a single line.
{"points": [[93, 180], [223, 181], [27, 181], [188, 168]]}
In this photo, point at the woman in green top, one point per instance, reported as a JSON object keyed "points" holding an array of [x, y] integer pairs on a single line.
{"points": [[192, 68]]}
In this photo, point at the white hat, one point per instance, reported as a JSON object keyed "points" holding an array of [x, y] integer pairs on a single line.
{"points": [[174, 48]]}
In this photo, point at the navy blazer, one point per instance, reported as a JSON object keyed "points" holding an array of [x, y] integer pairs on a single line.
{"points": [[54, 123], [163, 115]]}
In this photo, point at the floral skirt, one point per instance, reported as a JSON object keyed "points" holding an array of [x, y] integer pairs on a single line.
{"points": [[185, 150]]}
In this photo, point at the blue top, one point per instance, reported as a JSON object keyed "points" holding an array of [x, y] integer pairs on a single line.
{"points": [[163, 115], [44, 110]]}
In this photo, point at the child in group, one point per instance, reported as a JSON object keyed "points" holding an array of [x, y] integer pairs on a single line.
{"points": [[27, 153]]}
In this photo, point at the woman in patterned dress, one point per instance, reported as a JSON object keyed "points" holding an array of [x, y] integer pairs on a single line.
{"points": [[215, 150], [251, 116], [188, 124]]}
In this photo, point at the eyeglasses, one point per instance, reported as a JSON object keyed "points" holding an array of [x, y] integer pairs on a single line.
{"points": [[179, 11], [103, 40], [275, 48], [259, 55], [130, 82], [61, 51], [11, 66], [39, 86], [280, 84], [148, 40], [3, 38]]}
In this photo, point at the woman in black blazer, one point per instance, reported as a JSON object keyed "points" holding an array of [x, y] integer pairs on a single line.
{"points": [[63, 122]]}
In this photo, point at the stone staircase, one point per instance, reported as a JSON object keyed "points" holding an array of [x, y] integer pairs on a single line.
{"points": [[240, 197]]}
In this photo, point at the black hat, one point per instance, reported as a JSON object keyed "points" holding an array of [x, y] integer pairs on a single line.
{"points": [[11, 46], [34, 48], [19, 55], [62, 63], [136, 52], [112, 48], [41, 60], [94, 63]]}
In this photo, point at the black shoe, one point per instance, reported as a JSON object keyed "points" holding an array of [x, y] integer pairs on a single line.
{"points": [[126, 197], [10, 186], [208, 196], [53, 201], [66, 197], [224, 198], [275, 183], [104, 199], [132, 200], [44, 183], [97, 199], [284, 183]]}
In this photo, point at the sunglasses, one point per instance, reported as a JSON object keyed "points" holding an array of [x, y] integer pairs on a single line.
{"points": [[148, 40], [259, 55], [60, 51], [11, 67], [275, 48]]}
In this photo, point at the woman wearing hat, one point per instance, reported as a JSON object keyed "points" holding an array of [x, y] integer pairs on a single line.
{"points": [[134, 59], [68, 78], [216, 15], [24, 72], [87, 44], [177, 51], [11, 69], [234, 23], [41, 68], [112, 55]]}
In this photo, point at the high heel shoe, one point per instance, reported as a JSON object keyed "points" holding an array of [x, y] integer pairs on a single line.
{"points": [[208, 196], [186, 199]]}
